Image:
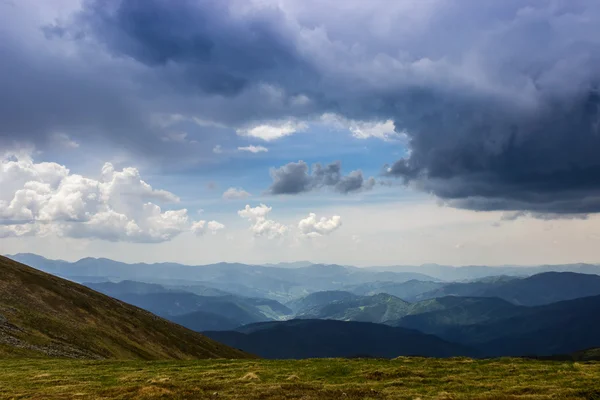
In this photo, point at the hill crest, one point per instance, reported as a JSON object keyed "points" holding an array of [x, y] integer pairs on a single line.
{"points": [[43, 315]]}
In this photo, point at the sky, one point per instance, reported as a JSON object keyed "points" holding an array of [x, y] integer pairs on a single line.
{"points": [[363, 133]]}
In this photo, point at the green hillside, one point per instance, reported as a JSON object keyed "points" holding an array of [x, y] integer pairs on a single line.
{"points": [[377, 308], [45, 316], [436, 315], [318, 299]]}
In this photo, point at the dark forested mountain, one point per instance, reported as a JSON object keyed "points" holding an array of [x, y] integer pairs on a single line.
{"points": [[494, 326], [319, 338], [557, 328], [435, 316], [43, 315], [545, 288]]}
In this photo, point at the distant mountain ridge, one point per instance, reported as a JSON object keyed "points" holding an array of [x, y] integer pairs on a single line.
{"points": [[271, 282], [543, 288], [471, 272], [107, 267]]}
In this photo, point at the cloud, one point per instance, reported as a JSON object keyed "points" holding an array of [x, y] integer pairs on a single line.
{"points": [[312, 227], [235, 194], [381, 130], [508, 158], [500, 115], [384, 130], [217, 149], [254, 149], [260, 225], [201, 227], [44, 198], [294, 178], [274, 130]]}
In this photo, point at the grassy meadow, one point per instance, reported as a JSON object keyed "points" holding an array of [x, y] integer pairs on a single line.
{"points": [[319, 379]]}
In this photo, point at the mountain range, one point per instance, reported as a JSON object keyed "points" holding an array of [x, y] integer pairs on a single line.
{"points": [[273, 282], [361, 312], [557, 328]]}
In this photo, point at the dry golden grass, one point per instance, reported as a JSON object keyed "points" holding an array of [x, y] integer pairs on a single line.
{"points": [[404, 378]]}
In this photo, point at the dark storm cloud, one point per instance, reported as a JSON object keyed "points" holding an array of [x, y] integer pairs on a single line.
{"points": [[503, 158], [294, 178], [208, 43]]}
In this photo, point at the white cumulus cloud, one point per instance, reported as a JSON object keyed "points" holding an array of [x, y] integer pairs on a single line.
{"points": [[260, 225], [201, 227], [42, 198], [313, 227]]}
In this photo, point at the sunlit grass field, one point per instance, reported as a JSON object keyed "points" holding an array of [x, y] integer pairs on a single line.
{"points": [[403, 378]]}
